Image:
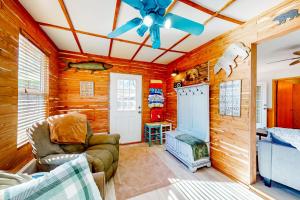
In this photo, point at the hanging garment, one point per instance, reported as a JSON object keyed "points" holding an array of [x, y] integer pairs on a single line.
{"points": [[156, 114]]}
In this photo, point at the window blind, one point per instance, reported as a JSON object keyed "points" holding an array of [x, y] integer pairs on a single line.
{"points": [[32, 87]]}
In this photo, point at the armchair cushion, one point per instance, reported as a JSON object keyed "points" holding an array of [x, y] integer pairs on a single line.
{"points": [[73, 148], [57, 159], [111, 148], [104, 139], [101, 159], [39, 137]]}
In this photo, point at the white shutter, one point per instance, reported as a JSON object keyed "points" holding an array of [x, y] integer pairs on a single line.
{"points": [[32, 87]]}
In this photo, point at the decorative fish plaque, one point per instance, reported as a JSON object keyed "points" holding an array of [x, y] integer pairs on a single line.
{"points": [[89, 65]]}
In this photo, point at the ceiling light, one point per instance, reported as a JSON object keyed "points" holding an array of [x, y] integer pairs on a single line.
{"points": [[148, 21], [168, 24]]}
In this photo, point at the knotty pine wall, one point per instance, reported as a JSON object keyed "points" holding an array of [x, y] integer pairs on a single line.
{"points": [[13, 20], [97, 107], [233, 138]]}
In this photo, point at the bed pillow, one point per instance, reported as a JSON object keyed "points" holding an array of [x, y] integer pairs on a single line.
{"points": [[285, 136], [72, 180], [277, 140]]}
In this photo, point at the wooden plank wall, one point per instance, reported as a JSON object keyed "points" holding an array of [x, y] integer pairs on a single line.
{"points": [[13, 19], [97, 108], [233, 138]]}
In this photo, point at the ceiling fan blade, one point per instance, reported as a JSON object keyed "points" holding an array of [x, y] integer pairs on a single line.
{"points": [[142, 30], [295, 62], [155, 36], [184, 24], [137, 4], [164, 3], [283, 60], [126, 27], [297, 53]]}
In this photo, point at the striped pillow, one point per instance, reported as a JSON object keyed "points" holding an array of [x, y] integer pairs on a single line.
{"points": [[72, 180]]}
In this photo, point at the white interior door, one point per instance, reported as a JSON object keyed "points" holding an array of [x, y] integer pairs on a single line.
{"points": [[126, 106], [261, 105]]}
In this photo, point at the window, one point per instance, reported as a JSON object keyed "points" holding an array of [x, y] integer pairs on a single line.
{"points": [[126, 95], [32, 87]]}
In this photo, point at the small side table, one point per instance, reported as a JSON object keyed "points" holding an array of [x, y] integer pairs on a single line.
{"points": [[156, 131], [261, 133]]}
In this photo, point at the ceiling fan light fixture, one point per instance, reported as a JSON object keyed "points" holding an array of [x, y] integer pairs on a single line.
{"points": [[153, 14], [168, 23], [148, 21]]}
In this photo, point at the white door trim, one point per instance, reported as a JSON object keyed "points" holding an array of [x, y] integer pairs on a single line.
{"points": [[263, 123]]}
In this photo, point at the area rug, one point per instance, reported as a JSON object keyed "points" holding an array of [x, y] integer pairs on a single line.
{"points": [[140, 170]]}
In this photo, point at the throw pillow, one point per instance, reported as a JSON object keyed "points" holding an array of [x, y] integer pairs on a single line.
{"points": [[68, 128], [72, 180], [78, 148]]}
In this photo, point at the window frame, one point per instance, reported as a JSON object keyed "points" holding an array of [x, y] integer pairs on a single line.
{"points": [[40, 91]]}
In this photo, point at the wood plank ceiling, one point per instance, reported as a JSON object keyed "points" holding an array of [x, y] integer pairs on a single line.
{"points": [[82, 26]]}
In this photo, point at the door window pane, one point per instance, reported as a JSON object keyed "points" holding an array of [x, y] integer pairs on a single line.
{"points": [[126, 95]]}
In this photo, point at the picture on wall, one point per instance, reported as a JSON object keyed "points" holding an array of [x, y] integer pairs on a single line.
{"points": [[86, 88], [230, 98], [196, 75]]}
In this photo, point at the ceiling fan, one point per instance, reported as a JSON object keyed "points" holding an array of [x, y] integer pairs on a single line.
{"points": [[297, 59], [153, 17]]}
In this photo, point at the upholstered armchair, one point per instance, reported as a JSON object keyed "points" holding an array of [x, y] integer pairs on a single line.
{"points": [[102, 150]]}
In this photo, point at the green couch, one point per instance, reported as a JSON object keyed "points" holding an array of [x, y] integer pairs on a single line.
{"points": [[102, 150]]}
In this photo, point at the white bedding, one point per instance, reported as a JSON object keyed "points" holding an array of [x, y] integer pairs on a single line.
{"points": [[291, 136]]}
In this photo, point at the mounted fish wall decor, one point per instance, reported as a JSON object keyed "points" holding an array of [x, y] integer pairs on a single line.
{"points": [[89, 65], [228, 60]]}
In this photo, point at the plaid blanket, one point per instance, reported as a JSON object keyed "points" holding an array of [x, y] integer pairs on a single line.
{"points": [[72, 180]]}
